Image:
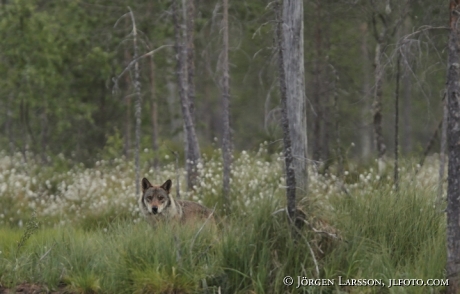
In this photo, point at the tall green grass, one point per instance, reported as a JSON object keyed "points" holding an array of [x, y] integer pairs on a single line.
{"points": [[372, 232], [388, 235]]}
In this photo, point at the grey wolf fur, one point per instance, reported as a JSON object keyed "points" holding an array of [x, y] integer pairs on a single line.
{"points": [[157, 204]]}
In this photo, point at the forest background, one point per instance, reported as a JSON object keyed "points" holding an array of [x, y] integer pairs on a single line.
{"points": [[59, 58]]}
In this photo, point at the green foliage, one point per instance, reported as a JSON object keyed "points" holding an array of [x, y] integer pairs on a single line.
{"points": [[59, 60], [31, 226], [48, 59], [113, 146]]}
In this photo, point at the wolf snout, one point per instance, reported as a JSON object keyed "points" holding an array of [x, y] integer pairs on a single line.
{"points": [[154, 209]]}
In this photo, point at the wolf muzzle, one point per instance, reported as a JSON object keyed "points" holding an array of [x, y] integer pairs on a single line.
{"points": [[154, 209]]}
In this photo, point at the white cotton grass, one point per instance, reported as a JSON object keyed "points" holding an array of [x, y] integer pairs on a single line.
{"points": [[63, 196]]}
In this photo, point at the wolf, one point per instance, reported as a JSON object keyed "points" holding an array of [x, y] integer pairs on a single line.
{"points": [[157, 204]]}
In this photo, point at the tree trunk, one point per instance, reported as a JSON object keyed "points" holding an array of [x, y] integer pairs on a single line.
{"points": [[293, 66], [174, 119], [44, 135], [377, 106], [138, 104], [429, 146], [453, 135], [189, 16], [338, 147], [396, 171], [407, 111], [289, 33], [127, 127], [442, 153], [192, 149], [318, 118], [153, 114], [226, 140], [27, 126], [8, 128], [288, 156], [27, 133], [406, 84], [366, 133]]}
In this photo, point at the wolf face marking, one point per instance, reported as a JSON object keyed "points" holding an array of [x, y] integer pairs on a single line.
{"points": [[155, 198], [156, 204]]}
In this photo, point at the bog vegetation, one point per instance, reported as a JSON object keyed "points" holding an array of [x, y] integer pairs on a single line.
{"points": [[69, 219], [78, 228]]}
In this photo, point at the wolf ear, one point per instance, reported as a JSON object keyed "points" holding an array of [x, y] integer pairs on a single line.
{"points": [[167, 185], [145, 184]]}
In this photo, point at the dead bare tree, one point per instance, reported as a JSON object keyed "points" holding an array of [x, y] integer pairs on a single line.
{"points": [[378, 92], [226, 140], [127, 126], [153, 113], [192, 148], [138, 103], [453, 135], [408, 62], [137, 91], [289, 33], [293, 64], [366, 133], [189, 16], [385, 23], [288, 157]]}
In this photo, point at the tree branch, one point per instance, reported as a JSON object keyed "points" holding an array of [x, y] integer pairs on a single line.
{"points": [[115, 80]]}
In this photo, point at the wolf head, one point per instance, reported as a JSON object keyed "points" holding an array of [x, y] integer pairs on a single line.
{"points": [[156, 198]]}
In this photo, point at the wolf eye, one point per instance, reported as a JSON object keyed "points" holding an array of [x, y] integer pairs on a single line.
{"points": [[161, 198]]}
